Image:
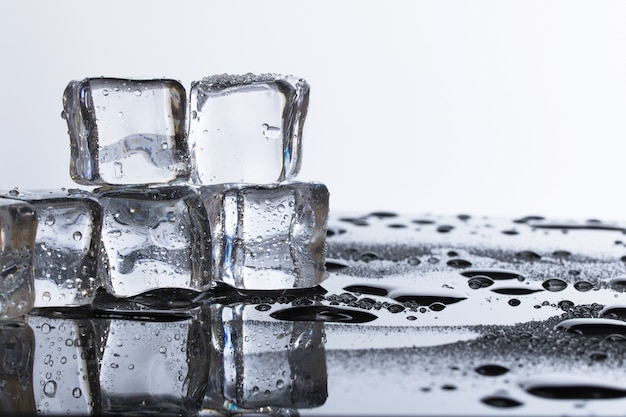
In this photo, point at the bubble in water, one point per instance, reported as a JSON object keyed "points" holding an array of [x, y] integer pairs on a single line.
{"points": [[76, 392], [77, 236], [50, 389]]}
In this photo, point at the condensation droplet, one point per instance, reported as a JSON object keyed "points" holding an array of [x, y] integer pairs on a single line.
{"points": [[77, 236], [49, 220], [76, 392], [50, 389]]}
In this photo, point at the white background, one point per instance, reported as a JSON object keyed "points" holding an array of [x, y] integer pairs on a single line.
{"points": [[480, 107]]}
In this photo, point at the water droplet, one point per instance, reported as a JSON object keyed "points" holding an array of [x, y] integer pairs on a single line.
{"points": [[500, 401], [367, 289], [77, 236], [414, 261], [437, 306], [46, 296], [591, 326], [120, 114], [411, 318], [369, 256], [76, 392], [565, 387], [255, 390], [49, 220], [516, 290], [194, 115], [494, 274], [395, 308], [565, 305], [105, 92], [137, 92], [335, 264], [323, 313], [14, 192], [64, 115], [583, 286], [459, 263], [281, 208], [163, 350], [50, 389], [514, 302], [263, 307], [280, 384], [527, 255], [554, 285], [444, 228], [491, 370], [480, 281]]}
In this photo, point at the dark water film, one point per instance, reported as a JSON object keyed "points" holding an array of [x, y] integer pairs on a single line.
{"points": [[420, 315]]}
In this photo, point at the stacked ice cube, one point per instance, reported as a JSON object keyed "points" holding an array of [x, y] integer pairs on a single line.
{"points": [[189, 195]]}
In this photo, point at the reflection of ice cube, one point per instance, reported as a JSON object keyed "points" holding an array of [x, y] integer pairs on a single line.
{"points": [[268, 237], [18, 226], [66, 246], [259, 362], [153, 238], [247, 128], [64, 366], [150, 366], [16, 361], [126, 131]]}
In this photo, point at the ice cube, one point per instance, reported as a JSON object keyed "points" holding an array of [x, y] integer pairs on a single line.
{"points": [[268, 236], [66, 247], [126, 131], [154, 367], [16, 366], [246, 128], [65, 369], [153, 238], [259, 362], [18, 227]]}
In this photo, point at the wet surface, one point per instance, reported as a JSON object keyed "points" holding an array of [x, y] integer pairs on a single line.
{"points": [[420, 315]]}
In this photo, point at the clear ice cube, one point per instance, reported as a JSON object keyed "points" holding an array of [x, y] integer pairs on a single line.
{"points": [[260, 362], [18, 227], [246, 128], [154, 367], [268, 236], [65, 366], [17, 344], [153, 238], [126, 131], [66, 247]]}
